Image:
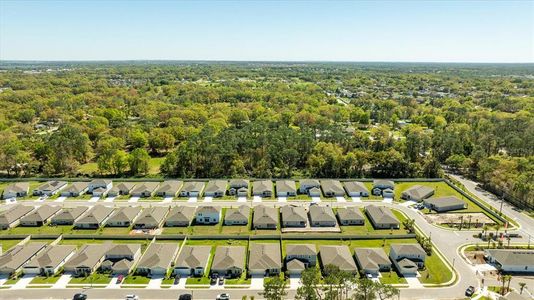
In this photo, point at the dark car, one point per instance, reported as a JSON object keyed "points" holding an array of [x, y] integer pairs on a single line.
{"points": [[470, 291], [79, 296], [185, 297], [221, 280]]}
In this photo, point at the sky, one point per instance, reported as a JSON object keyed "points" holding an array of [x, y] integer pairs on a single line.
{"points": [[414, 31]]}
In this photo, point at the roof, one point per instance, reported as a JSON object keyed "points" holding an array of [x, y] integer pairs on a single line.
{"points": [[384, 183], [227, 257], [265, 215], [193, 256], [381, 215], [292, 213], [181, 214], [338, 256], [350, 213], [355, 186], [88, 255], [124, 214], [295, 265], [214, 186], [321, 214], [76, 187], [193, 186], [262, 186], [408, 249], [18, 255], [123, 249], [171, 186], [237, 214], [152, 215], [238, 182], [145, 187], [70, 213], [14, 213], [310, 182], [51, 185], [445, 201], [123, 264], [332, 186], [100, 182], [97, 214], [158, 255], [208, 209], [42, 213], [17, 187], [123, 186], [51, 256], [371, 258], [419, 191], [264, 256], [512, 257], [301, 249], [286, 186]]}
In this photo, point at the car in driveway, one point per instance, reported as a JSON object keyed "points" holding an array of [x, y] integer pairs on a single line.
{"points": [[79, 296], [221, 280], [470, 291], [132, 297], [120, 278], [223, 296], [185, 297]]}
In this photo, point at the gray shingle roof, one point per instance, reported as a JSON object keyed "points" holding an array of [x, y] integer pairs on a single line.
{"points": [[170, 187], [332, 186], [158, 255], [14, 213], [215, 186], [124, 214], [193, 186], [41, 214], [418, 192], [17, 187], [350, 213], [300, 249], [262, 186], [512, 256], [355, 187], [381, 215], [193, 257], [444, 201], [76, 187], [229, 256], [321, 214], [145, 187], [264, 256], [181, 214], [265, 215], [408, 249], [371, 258], [52, 256], [338, 256], [240, 213], [286, 186], [292, 213]]}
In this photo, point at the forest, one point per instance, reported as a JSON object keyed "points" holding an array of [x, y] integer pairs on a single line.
{"points": [[270, 120]]}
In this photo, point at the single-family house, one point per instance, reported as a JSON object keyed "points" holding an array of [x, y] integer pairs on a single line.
{"points": [[144, 189], [237, 216], [315, 192], [208, 215], [265, 217], [192, 189], [338, 256], [87, 260], [102, 185], [151, 218], [50, 260], [286, 188], [67, 216], [332, 188], [123, 216], [216, 188], [169, 188], [322, 216], [192, 261], [299, 257], [49, 188], [444, 204], [94, 218], [75, 189], [39, 216], [13, 259], [11, 217], [238, 187], [121, 188], [407, 258], [180, 216], [264, 259], [307, 184], [350, 216], [372, 260], [120, 258], [380, 185], [417, 193], [262, 188], [511, 260], [382, 217], [229, 261], [158, 258], [356, 189], [16, 190], [293, 216]]}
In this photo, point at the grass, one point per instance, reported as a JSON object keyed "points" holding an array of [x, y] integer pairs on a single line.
{"points": [[45, 280], [91, 168], [133, 279], [80, 242], [95, 278], [391, 278], [197, 280], [7, 244], [435, 271], [176, 230]]}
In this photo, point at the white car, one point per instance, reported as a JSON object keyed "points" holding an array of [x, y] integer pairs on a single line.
{"points": [[223, 296]]}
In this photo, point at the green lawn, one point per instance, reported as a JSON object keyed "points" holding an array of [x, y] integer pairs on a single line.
{"points": [[436, 271], [7, 244], [176, 230], [391, 278], [95, 278], [80, 242], [45, 280], [197, 280], [235, 229], [153, 166], [131, 279]]}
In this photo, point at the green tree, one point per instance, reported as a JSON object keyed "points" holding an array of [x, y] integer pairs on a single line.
{"points": [[138, 161], [274, 288]]}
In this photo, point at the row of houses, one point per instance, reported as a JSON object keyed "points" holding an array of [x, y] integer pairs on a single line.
{"points": [[213, 188]]}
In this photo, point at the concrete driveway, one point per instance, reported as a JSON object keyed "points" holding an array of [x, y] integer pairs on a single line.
{"points": [[256, 199], [109, 199], [155, 282], [341, 199], [62, 282], [356, 199], [256, 282], [413, 282], [167, 200], [133, 199], [282, 199], [23, 282], [208, 199], [94, 199], [192, 199], [294, 282], [242, 199], [113, 283], [60, 199]]}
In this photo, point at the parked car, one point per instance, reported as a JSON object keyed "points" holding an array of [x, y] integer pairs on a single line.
{"points": [[221, 280], [185, 297], [120, 278], [470, 291], [79, 296], [223, 296], [132, 297], [176, 279]]}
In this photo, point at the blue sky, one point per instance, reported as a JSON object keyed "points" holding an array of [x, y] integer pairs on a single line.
{"points": [[437, 31]]}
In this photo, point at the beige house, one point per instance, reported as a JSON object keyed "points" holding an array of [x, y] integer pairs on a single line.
{"points": [[151, 218], [75, 189], [16, 190], [338, 256], [158, 258], [208, 215], [40, 216], [67, 216], [299, 257], [229, 261], [332, 188], [11, 217], [121, 188], [322, 216], [192, 189], [237, 216], [262, 188], [169, 188], [417, 193], [265, 217], [356, 189], [144, 189], [265, 259], [49, 188], [87, 260], [123, 216], [444, 204], [50, 260], [192, 261], [372, 260], [180, 216], [286, 188], [216, 188], [94, 218], [293, 216], [14, 259], [407, 258], [350, 216], [382, 217]]}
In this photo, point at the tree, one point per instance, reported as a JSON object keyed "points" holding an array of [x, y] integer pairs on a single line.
{"points": [[274, 288], [522, 287], [119, 162], [310, 288], [138, 161], [365, 289]]}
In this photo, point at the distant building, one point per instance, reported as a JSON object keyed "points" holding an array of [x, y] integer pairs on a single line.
{"points": [[444, 204], [16, 190], [75, 189], [417, 193], [511, 260], [50, 188]]}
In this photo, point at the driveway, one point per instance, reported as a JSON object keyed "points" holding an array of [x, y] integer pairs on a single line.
{"points": [[109, 199], [155, 282], [23, 282], [282, 199], [208, 199], [133, 199], [62, 282], [341, 199], [167, 200], [256, 282], [413, 282], [242, 199], [388, 200], [113, 283], [316, 199], [356, 199], [256, 199], [60, 199], [192, 199], [294, 282], [94, 199]]}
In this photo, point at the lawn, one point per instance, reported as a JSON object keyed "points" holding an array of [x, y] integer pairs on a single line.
{"points": [[45, 280], [95, 278], [197, 280], [391, 278], [46, 229], [7, 244], [91, 168], [80, 242], [436, 271], [235, 229], [136, 280], [176, 230], [206, 229]]}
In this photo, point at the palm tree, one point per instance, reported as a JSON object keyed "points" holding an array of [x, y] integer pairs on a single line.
{"points": [[509, 277], [522, 287]]}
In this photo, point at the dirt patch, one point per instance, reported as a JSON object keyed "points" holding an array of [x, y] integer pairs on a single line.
{"points": [[469, 220], [476, 257]]}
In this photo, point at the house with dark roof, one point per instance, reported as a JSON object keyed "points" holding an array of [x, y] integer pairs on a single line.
{"points": [[123, 216], [338, 256], [444, 204], [50, 188], [382, 217], [94, 218], [121, 258], [229, 261], [382, 187], [350, 216], [265, 259], [307, 184], [16, 190], [238, 187], [151, 218], [67, 216], [511, 260], [75, 189], [417, 193], [286, 188], [237, 216], [192, 261], [40, 216], [157, 259], [299, 257], [372, 260], [356, 189], [49, 261], [265, 217], [262, 188], [208, 215], [407, 258], [192, 189], [180, 216], [11, 217], [87, 260], [169, 188], [332, 188], [322, 216], [216, 188], [13, 260], [293, 216]]}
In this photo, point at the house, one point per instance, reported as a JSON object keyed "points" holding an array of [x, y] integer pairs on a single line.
{"points": [[216, 188], [372, 260], [407, 258], [11, 217], [511, 260], [322, 216], [99, 192], [49, 188], [13, 259], [299, 257], [180, 216], [379, 185], [388, 193], [293, 216], [123, 217], [307, 184], [237, 216], [238, 187], [68, 216], [382, 217], [50, 260], [265, 217], [93, 218], [122, 188], [286, 188], [87, 259], [16, 190], [315, 192], [356, 189], [120, 258], [75, 189], [443, 204], [151, 218], [39, 216], [350, 216], [158, 258], [192, 189], [169, 188], [332, 188], [208, 215], [192, 261], [102, 185], [264, 259], [417, 193], [229, 261], [338, 256], [513, 295], [144, 189], [262, 188]]}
